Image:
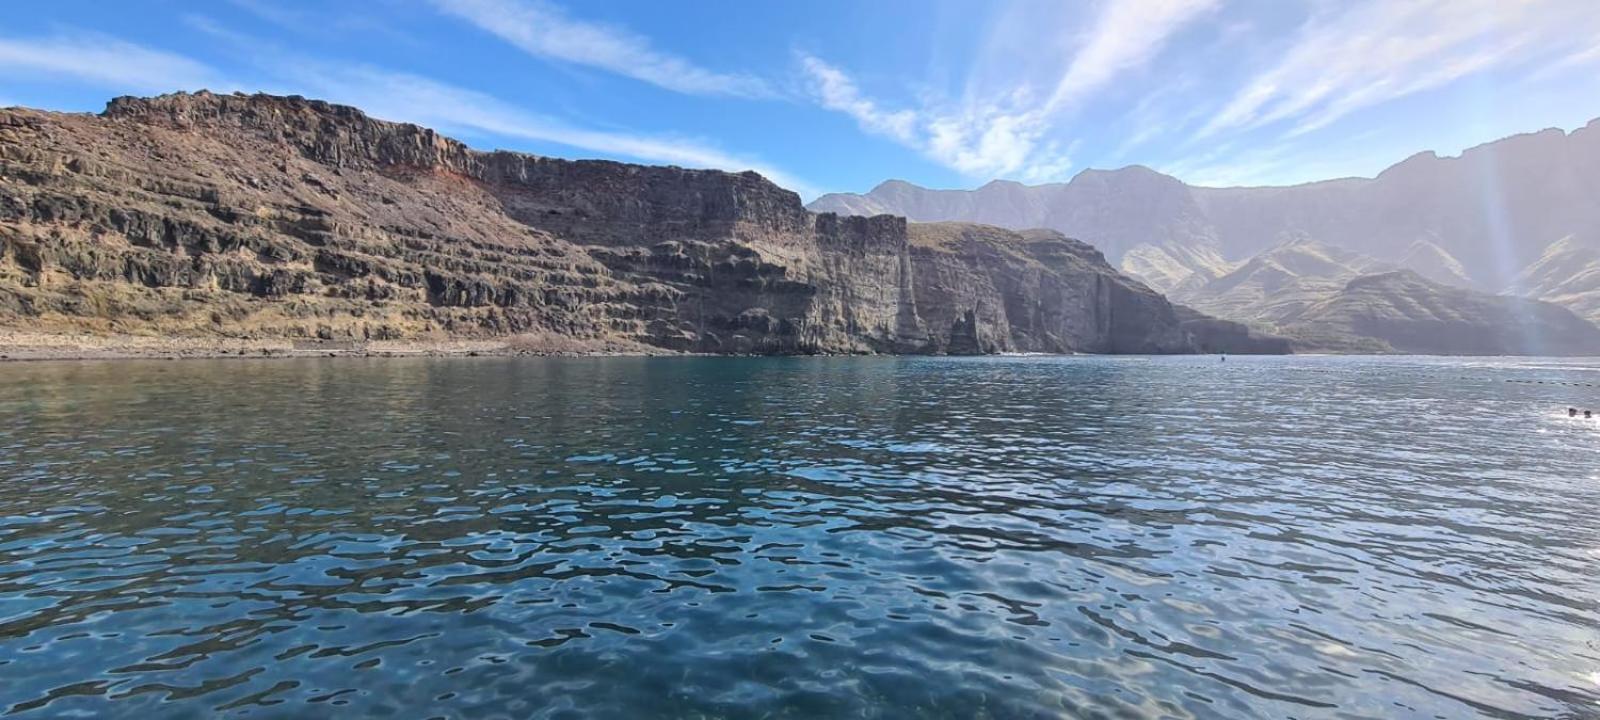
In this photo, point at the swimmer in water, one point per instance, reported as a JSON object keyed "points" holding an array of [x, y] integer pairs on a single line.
{"points": [[1572, 412]]}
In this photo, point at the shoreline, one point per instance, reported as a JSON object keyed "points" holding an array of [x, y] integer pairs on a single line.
{"points": [[32, 347], [25, 346]]}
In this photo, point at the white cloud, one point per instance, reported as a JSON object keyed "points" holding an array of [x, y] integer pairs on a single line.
{"points": [[1126, 36], [106, 62], [837, 91], [405, 97], [410, 98], [977, 140], [1366, 54], [330, 20], [1580, 58], [1013, 131], [545, 31], [100, 61]]}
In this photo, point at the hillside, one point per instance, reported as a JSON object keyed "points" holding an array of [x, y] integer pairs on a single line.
{"points": [[1402, 311], [1280, 282], [263, 219], [1477, 220], [1568, 274]]}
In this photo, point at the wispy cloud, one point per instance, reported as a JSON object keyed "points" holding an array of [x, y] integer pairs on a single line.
{"points": [[1366, 54], [1126, 36], [976, 139], [546, 31], [410, 98], [1013, 132], [407, 97], [837, 91], [1580, 58], [105, 62], [331, 20]]}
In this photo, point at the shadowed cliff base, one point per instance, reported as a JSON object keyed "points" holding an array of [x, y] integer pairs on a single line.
{"points": [[202, 220]]}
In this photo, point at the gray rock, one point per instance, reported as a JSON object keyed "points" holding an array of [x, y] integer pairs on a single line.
{"points": [[254, 216]]}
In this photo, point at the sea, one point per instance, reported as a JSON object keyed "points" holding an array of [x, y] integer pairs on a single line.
{"points": [[872, 537]]}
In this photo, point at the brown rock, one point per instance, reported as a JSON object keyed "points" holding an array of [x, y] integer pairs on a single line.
{"points": [[269, 217]]}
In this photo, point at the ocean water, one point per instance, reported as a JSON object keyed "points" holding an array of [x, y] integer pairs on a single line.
{"points": [[803, 537]]}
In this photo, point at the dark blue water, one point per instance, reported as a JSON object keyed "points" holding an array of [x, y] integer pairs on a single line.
{"points": [[875, 537]]}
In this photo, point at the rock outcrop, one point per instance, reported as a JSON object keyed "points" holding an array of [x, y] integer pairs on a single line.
{"points": [[261, 216]]}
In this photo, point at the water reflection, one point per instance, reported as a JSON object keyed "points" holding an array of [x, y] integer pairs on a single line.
{"points": [[797, 537]]}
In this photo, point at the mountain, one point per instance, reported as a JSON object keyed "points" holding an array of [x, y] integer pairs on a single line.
{"points": [[1281, 282], [267, 219], [1432, 262], [1567, 273], [1133, 210], [1401, 311], [1324, 298], [1478, 219]]}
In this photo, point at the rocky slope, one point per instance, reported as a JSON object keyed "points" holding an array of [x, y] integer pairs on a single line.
{"points": [[1568, 273], [1148, 222], [257, 216], [1478, 219], [1326, 299], [1401, 311], [1281, 282]]}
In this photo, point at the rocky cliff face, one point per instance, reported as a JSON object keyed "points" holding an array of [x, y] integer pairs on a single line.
{"points": [[261, 216]]}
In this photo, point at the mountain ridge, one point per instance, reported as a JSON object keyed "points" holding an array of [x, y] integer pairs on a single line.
{"points": [[1483, 214], [1402, 311], [273, 218]]}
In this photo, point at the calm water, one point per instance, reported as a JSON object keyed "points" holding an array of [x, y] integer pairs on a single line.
{"points": [[876, 537]]}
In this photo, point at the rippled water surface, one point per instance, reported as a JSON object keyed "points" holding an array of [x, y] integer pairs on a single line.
{"points": [[873, 537]]}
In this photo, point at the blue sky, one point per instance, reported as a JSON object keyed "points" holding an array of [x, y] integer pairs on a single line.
{"points": [[838, 96]]}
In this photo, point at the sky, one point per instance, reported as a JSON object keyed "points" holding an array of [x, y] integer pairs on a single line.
{"points": [[837, 96]]}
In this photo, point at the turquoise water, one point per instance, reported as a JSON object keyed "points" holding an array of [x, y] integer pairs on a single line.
{"points": [[805, 537]]}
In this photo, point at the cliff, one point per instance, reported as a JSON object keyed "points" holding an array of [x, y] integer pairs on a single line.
{"points": [[251, 217]]}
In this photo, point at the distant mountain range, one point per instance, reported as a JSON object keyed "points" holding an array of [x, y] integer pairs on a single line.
{"points": [[1280, 283], [1481, 220], [1512, 217], [1336, 300], [1567, 273], [1401, 311]]}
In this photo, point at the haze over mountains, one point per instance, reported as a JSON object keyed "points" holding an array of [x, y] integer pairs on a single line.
{"points": [[1504, 217]]}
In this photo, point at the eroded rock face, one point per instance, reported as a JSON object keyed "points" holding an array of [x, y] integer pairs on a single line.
{"points": [[263, 216]]}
